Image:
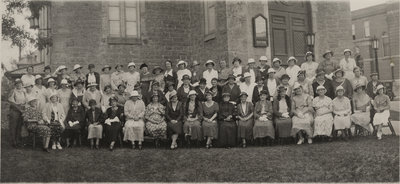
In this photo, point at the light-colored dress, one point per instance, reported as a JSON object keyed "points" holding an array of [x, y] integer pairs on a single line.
{"points": [[28, 79], [292, 72], [41, 95], [209, 76], [311, 69], [263, 127], [131, 79], [307, 87], [105, 79], [248, 88], [362, 102], [64, 98], [74, 77], [105, 103], [341, 105], [301, 104], [117, 79], [348, 67], [134, 130], [279, 72], [156, 125], [89, 95], [210, 129], [359, 80], [323, 123], [381, 118], [181, 73]]}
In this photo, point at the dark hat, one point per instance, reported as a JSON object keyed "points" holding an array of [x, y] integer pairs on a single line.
{"points": [[157, 68], [226, 94], [185, 77], [91, 66], [119, 65], [143, 65], [170, 84], [236, 59], [280, 88], [122, 85], [113, 98], [374, 73], [264, 92], [155, 83], [320, 72], [285, 76], [203, 81], [46, 68], [73, 99], [92, 102], [79, 81], [231, 76], [243, 93], [207, 93], [339, 70], [301, 72], [260, 78]]}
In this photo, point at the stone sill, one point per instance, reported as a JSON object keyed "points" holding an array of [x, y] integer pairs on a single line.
{"points": [[209, 37], [123, 41]]}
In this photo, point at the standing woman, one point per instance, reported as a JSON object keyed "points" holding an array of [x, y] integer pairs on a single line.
{"points": [[279, 70], [358, 78], [361, 105], [34, 122], [245, 116], [339, 80], [285, 82], [328, 65], [263, 125], [155, 119], [117, 77], [145, 80], [134, 110], [258, 89], [192, 118], [323, 117], [54, 115], [61, 73], [159, 77], [40, 92], [17, 101], [347, 64], [310, 66], [75, 122], [342, 111], [216, 90], [306, 84], [174, 116], [196, 73], [105, 77], [170, 75], [92, 94], [227, 125], [237, 68], [114, 119], [271, 83], [78, 91], [224, 72], [65, 95], [105, 98], [52, 88], [292, 70], [182, 71], [210, 113], [184, 89], [282, 112], [263, 68], [372, 85], [132, 77], [302, 111], [77, 74], [247, 86], [321, 80], [381, 104], [92, 77]]}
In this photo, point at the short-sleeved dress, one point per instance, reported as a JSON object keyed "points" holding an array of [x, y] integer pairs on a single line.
{"points": [[300, 104], [65, 96], [341, 105], [361, 102], [245, 128], [210, 129], [156, 126], [263, 126], [381, 118], [323, 123]]}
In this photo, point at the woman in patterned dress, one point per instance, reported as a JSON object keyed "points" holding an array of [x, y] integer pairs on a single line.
{"points": [[156, 126], [323, 118], [34, 122], [245, 116], [174, 116], [342, 111], [381, 104], [65, 95], [263, 125], [302, 111], [114, 119], [210, 113], [193, 114], [54, 115], [362, 106], [282, 112]]}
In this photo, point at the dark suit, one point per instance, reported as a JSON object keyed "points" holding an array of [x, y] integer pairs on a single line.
{"points": [[330, 92], [97, 76], [200, 95], [234, 91]]}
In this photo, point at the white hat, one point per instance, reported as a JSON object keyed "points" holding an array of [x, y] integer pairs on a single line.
{"points": [[292, 58], [209, 61], [320, 87], [181, 62], [380, 86], [77, 66], [61, 67], [29, 98], [246, 74], [92, 84], [347, 50], [50, 80], [263, 58], [271, 70], [172, 93], [131, 64], [276, 59], [251, 60], [339, 88], [192, 92], [134, 93], [296, 85], [53, 94], [64, 81], [28, 84], [38, 77]]}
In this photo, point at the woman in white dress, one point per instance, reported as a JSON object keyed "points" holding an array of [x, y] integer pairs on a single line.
{"points": [[323, 117], [348, 64], [65, 95], [310, 66], [302, 111], [341, 110], [361, 105], [134, 110], [292, 70], [381, 104]]}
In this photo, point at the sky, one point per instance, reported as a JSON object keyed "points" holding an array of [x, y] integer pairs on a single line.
{"points": [[7, 53]]}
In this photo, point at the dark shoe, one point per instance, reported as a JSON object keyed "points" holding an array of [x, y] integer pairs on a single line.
{"points": [[91, 146], [46, 150], [97, 146], [133, 146], [140, 147]]}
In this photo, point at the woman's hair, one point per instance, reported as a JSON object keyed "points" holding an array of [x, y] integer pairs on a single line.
{"points": [[107, 87], [196, 106]]}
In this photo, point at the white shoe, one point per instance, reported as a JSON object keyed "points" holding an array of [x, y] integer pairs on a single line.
{"points": [[53, 147], [300, 141], [59, 146], [309, 141]]}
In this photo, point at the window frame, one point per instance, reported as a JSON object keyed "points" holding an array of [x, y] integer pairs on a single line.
{"points": [[353, 31], [367, 28]]}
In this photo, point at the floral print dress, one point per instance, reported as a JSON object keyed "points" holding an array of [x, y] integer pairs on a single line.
{"points": [[155, 124], [41, 129], [323, 123]]}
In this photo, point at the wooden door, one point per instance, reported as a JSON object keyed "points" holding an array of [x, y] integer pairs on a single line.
{"points": [[290, 22]]}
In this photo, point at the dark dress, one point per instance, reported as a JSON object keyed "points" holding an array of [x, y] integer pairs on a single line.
{"points": [[330, 92], [200, 95], [113, 130], [145, 86], [256, 94], [210, 129], [264, 71], [227, 129], [161, 97], [193, 127], [283, 125], [74, 115], [171, 79], [234, 91], [96, 76], [245, 128], [182, 96], [218, 97], [177, 114]]}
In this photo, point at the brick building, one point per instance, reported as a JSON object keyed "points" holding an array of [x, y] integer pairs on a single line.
{"points": [[153, 31]]}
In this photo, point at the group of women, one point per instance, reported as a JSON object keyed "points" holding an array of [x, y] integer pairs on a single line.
{"points": [[220, 107]]}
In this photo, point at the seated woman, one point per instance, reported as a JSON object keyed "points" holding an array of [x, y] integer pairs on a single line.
{"points": [[323, 117], [282, 111], [54, 115], [227, 125], [210, 113], [74, 122], [302, 111], [94, 119], [34, 122], [245, 115], [263, 125], [192, 117], [155, 119], [114, 119], [361, 105], [381, 104], [134, 113], [342, 110], [174, 116]]}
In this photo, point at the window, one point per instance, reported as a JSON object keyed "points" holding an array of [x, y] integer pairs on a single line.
{"points": [[385, 44], [210, 17], [353, 31], [366, 29], [123, 18]]}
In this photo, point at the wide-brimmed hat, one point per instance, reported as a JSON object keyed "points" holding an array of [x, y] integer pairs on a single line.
{"points": [[301, 72], [62, 67], [339, 88], [225, 94], [30, 98], [172, 94], [321, 87], [270, 70], [79, 81], [359, 85], [275, 60], [231, 76], [292, 58], [380, 86], [77, 66], [296, 85], [118, 65], [181, 62], [327, 52], [263, 58], [53, 94], [243, 93], [309, 53], [64, 81], [28, 85], [209, 62], [196, 63], [251, 60], [143, 65], [185, 77], [134, 93], [285, 76], [339, 70], [246, 75], [51, 80], [92, 84], [192, 92], [347, 50], [131, 64], [157, 68], [106, 66], [236, 59], [38, 77]]}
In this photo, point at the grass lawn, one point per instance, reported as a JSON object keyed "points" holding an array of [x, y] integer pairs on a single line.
{"points": [[362, 159]]}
